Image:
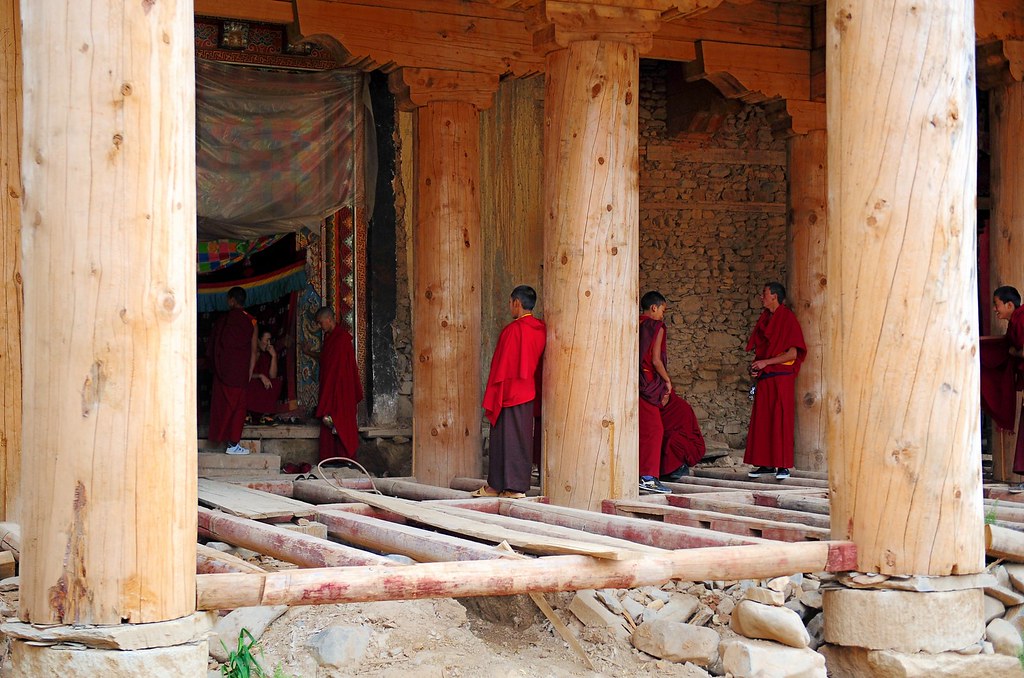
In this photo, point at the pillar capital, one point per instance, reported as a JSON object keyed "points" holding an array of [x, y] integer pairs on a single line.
{"points": [[1000, 63], [791, 117], [556, 23], [415, 87]]}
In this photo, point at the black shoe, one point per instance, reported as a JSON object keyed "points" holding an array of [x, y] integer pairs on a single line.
{"points": [[762, 471], [651, 485], [782, 473], [676, 475]]}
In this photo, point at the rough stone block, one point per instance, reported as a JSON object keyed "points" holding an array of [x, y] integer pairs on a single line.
{"points": [[745, 658], [770, 622], [903, 620], [254, 619], [179, 660], [858, 662], [759, 594], [1004, 637], [677, 642], [592, 612]]}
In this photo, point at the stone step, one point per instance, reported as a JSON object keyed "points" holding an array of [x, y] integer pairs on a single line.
{"points": [[254, 446], [218, 463]]}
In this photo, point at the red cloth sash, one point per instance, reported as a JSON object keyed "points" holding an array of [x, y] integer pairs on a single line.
{"points": [[514, 377]]}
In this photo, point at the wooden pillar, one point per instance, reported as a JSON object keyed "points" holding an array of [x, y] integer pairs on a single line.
{"points": [[591, 268], [1006, 237], [901, 358], [10, 259], [447, 398], [110, 320], [808, 210]]}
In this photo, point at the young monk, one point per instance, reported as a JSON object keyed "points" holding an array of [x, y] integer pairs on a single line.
{"points": [[340, 388], [1002, 367], [778, 345], [512, 387]]}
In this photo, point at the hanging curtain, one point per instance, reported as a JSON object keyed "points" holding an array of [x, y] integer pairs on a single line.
{"points": [[217, 254], [274, 150], [258, 289]]}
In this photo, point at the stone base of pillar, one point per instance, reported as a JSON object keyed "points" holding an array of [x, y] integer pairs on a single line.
{"points": [[857, 662], [180, 660], [904, 621]]}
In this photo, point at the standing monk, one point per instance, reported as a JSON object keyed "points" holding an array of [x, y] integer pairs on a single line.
{"points": [[1002, 368], [340, 389], [778, 345], [512, 387], [232, 351]]}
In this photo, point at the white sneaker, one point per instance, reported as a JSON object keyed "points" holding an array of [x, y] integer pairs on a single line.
{"points": [[237, 449]]}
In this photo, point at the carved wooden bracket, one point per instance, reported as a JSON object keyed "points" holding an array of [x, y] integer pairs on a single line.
{"points": [[792, 117], [751, 73], [415, 87], [1000, 63]]}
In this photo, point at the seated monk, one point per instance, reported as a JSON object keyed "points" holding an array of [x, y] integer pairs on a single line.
{"points": [[265, 386]]}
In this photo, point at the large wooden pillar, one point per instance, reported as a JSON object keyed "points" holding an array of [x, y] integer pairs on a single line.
{"points": [[901, 359], [1006, 236], [109, 519], [10, 259], [447, 251], [807, 285], [591, 268]]}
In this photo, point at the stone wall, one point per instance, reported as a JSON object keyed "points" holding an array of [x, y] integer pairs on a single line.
{"points": [[712, 232]]}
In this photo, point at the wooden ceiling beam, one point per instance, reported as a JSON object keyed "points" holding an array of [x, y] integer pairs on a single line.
{"points": [[751, 73], [262, 11], [415, 87]]}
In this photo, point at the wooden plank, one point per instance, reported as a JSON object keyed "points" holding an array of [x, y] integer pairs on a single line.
{"points": [[292, 547], [632, 529], [741, 476], [212, 561], [263, 11], [751, 510], [509, 577], [11, 307], [720, 522], [382, 535], [794, 502], [323, 491], [247, 503], [532, 543]]}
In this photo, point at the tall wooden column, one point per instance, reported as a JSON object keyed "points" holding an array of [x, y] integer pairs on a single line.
{"points": [[808, 210], [109, 527], [10, 259], [447, 249], [902, 348], [1006, 237], [591, 269]]}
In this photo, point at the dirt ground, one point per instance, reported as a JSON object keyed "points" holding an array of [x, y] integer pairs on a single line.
{"points": [[439, 639]]}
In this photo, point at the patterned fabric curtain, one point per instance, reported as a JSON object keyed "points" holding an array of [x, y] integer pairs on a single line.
{"points": [[215, 255], [274, 150]]}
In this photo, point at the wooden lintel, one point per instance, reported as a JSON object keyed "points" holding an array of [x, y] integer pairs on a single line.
{"points": [[510, 577], [752, 73], [415, 87], [263, 11], [1000, 63]]}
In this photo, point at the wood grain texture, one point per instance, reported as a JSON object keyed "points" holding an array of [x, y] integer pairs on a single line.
{"points": [[591, 268], [1006, 237], [808, 216], [110, 319], [902, 364], [11, 310], [511, 202], [264, 11], [447, 396]]}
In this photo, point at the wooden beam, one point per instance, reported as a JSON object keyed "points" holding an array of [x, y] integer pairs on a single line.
{"points": [[212, 561], [510, 577], [292, 547], [11, 306], [740, 476], [752, 73], [415, 87], [591, 235], [263, 11], [722, 504], [998, 20], [903, 385], [242, 501], [109, 391]]}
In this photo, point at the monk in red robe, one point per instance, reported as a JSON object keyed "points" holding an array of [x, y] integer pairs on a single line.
{"points": [[340, 389], [232, 352], [670, 436], [779, 349], [1002, 368], [509, 398], [265, 386]]}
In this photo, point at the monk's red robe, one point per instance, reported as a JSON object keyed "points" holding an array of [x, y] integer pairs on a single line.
{"points": [[770, 436], [652, 389], [340, 392], [230, 354], [510, 402], [259, 398], [682, 442]]}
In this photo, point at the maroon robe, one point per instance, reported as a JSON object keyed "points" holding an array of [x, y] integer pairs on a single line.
{"points": [[510, 400], [770, 436], [259, 398], [230, 352], [682, 442], [652, 389], [340, 392]]}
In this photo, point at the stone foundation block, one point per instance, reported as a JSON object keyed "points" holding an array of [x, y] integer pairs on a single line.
{"points": [[904, 621], [181, 661], [858, 662], [745, 658]]}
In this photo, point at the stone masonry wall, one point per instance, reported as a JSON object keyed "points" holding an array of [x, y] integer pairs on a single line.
{"points": [[712, 232]]}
